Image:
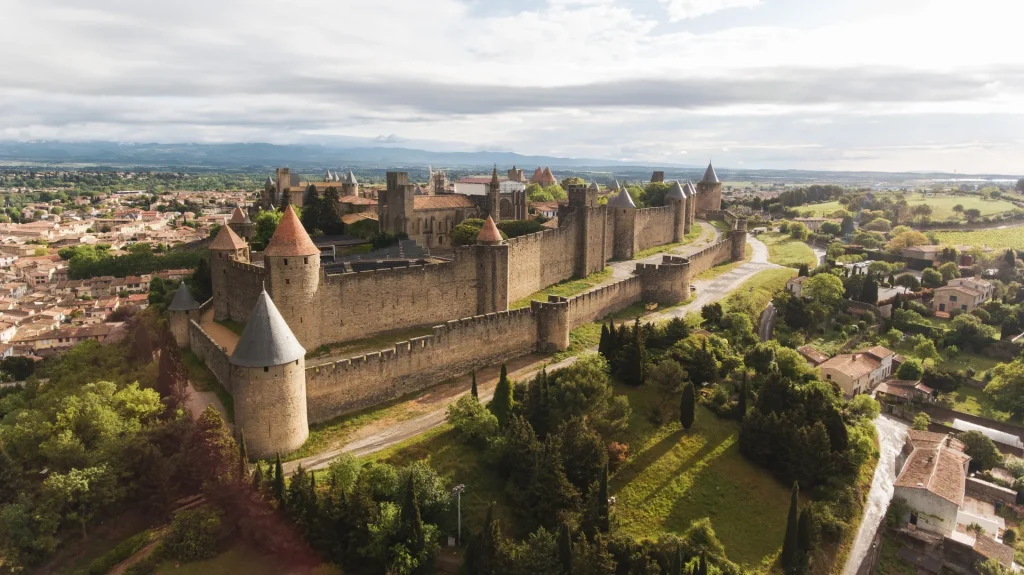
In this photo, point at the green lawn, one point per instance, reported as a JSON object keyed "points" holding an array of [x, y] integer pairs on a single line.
{"points": [[721, 225], [675, 477], [942, 206], [567, 288], [787, 251], [695, 233], [996, 239], [976, 402], [761, 287], [242, 558]]}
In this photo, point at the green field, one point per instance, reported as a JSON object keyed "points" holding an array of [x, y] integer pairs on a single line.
{"points": [[784, 250], [242, 558], [675, 477], [996, 239], [761, 287], [942, 206]]}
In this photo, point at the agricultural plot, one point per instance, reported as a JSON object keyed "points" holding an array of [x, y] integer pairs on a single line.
{"points": [[942, 206], [994, 238]]}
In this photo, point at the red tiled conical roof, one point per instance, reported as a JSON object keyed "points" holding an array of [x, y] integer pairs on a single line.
{"points": [[227, 239], [290, 238], [489, 233], [239, 217]]}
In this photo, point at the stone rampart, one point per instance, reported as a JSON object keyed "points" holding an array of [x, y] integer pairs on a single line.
{"points": [[709, 257], [667, 283], [455, 348], [599, 302], [654, 227], [536, 261], [245, 281], [212, 354]]}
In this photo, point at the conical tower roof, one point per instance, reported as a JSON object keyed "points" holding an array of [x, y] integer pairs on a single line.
{"points": [[489, 233], [676, 192], [710, 177], [266, 340], [239, 216], [594, 187], [621, 200], [183, 300], [290, 239], [692, 189], [548, 175], [269, 182], [349, 178], [494, 176], [227, 239], [614, 186]]}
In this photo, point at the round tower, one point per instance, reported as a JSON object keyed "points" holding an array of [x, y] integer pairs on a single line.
{"points": [[623, 213], [224, 249], [268, 381], [676, 198], [241, 224], [182, 309], [292, 262], [709, 190]]}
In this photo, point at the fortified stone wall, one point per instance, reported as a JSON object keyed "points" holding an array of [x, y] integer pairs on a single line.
{"points": [[597, 303], [213, 355], [362, 304], [454, 349], [654, 227], [538, 260], [710, 257], [245, 282]]}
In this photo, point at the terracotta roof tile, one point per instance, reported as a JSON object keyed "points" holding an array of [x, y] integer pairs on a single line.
{"points": [[227, 239], [489, 233], [936, 465], [290, 238], [442, 202]]}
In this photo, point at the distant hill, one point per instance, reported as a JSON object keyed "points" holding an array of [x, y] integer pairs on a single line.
{"points": [[236, 156]]}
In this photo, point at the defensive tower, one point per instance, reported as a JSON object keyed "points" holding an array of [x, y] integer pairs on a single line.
{"points": [[676, 198], [241, 224], [709, 192], [182, 309], [268, 378], [225, 248], [292, 263]]}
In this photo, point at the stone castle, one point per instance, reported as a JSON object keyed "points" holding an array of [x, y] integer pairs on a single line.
{"points": [[289, 305]]}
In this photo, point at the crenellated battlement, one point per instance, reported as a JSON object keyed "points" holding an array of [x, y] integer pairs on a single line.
{"points": [[246, 267]]}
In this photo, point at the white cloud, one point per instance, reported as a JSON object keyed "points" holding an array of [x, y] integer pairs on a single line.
{"points": [[685, 9]]}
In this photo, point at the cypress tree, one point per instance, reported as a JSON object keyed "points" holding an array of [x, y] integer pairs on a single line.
{"points": [[790, 545], [482, 552], [603, 512], [311, 209], [565, 548], [243, 459], [278, 480], [803, 536], [741, 403], [330, 212], [473, 390], [804, 271], [501, 404], [257, 477], [411, 530], [687, 406], [602, 344], [677, 561], [702, 569], [1010, 257], [634, 357], [613, 343], [284, 201]]}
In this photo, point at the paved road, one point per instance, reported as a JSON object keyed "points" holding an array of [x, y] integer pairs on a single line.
{"points": [[708, 291], [892, 433]]}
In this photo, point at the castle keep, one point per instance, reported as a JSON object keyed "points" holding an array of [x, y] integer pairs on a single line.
{"points": [[290, 305]]}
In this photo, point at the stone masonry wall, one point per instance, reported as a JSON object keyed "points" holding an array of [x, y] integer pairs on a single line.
{"points": [[536, 261], [710, 257], [245, 282], [454, 349], [597, 303], [654, 227], [213, 355], [362, 304]]}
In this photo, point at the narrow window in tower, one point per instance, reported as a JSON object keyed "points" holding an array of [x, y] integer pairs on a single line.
{"points": [[266, 369], [305, 260], [287, 282], [286, 261]]}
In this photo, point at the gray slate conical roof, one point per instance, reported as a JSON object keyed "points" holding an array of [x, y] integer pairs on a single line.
{"points": [[621, 200], [710, 177], [676, 192], [266, 340], [183, 300], [691, 189]]}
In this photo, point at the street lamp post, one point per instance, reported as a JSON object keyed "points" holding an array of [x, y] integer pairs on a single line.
{"points": [[457, 492]]}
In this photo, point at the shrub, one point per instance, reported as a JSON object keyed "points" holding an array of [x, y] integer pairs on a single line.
{"points": [[1010, 537], [193, 535], [618, 453], [119, 553], [864, 406], [921, 421], [1014, 465], [472, 421], [147, 566]]}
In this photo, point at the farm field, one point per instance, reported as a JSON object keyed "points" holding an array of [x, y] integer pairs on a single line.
{"points": [[995, 238], [787, 251], [942, 206]]}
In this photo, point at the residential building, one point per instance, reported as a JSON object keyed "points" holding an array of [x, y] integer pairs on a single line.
{"points": [[904, 391], [860, 371], [932, 480], [963, 294], [813, 356], [796, 285]]}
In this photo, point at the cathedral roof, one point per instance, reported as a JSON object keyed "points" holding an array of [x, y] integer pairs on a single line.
{"points": [[290, 238], [710, 177], [227, 239], [239, 217], [266, 340], [621, 200], [676, 192], [183, 300], [489, 233]]}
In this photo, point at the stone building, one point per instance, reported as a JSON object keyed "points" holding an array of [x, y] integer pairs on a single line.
{"points": [[285, 182], [709, 192], [543, 177], [241, 224], [187, 308]]}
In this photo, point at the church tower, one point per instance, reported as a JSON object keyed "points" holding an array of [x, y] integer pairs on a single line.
{"points": [[494, 196], [292, 262], [268, 379]]}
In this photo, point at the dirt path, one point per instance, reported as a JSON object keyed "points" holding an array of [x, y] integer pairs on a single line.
{"points": [[220, 334], [433, 405]]}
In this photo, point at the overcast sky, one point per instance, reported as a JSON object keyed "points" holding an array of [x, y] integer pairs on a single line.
{"points": [[821, 84]]}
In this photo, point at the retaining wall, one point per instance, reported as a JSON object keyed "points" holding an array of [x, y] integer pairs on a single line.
{"points": [[212, 354]]}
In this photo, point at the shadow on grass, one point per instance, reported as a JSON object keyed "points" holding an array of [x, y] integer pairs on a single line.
{"points": [[639, 463]]}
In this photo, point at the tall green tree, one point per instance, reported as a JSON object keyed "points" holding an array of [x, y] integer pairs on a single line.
{"points": [[330, 212], [805, 546], [687, 406], [411, 530], [741, 402], [278, 486], [790, 546], [565, 548], [602, 344], [633, 369], [502, 403], [702, 567], [603, 511], [473, 390], [482, 554], [311, 209]]}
